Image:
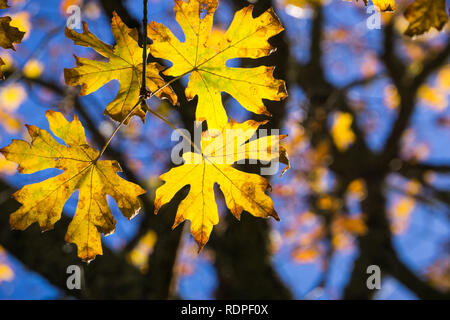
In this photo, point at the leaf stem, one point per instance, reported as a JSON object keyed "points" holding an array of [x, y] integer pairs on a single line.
{"points": [[141, 99], [170, 124], [144, 91], [116, 130]]}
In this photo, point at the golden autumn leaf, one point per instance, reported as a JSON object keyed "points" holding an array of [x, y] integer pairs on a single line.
{"points": [[95, 179], [382, 5], [205, 58], [9, 35], [242, 191], [425, 14], [124, 65]]}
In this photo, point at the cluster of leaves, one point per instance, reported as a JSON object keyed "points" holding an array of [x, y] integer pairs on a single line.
{"points": [[425, 14], [201, 56], [422, 15], [125, 65], [43, 202], [9, 35]]}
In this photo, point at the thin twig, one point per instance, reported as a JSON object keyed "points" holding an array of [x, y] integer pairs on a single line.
{"points": [[144, 91], [117, 129]]}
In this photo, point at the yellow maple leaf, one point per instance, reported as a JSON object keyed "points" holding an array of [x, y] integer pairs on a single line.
{"points": [[242, 191], [205, 58], [382, 5], [95, 179], [9, 35], [425, 14], [124, 65]]}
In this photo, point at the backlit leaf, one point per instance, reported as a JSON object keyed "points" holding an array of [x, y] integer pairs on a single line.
{"points": [[95, 179], [205, 58], [9, 35], [242, 191], [382, 5], [425, 14], [124, 65]]}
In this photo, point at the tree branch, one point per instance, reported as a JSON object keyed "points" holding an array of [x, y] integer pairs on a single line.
{"points": [[407, 87]]}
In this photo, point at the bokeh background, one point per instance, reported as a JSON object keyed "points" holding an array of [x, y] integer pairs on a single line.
{"points": [[368, 120]]}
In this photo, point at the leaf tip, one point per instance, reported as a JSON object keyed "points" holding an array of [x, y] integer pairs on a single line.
{"points": [[275, 215]]}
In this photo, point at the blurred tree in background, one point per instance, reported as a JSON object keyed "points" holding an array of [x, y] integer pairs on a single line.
{"points": [[368, 121]]}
